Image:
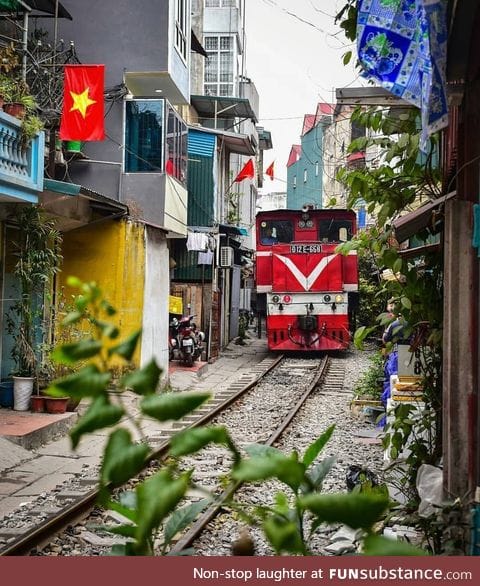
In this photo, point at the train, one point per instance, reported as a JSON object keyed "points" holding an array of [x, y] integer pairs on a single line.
{"points": [[306, 290]]}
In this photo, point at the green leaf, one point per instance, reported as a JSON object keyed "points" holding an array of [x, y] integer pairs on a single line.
{"points": [[190, 441], [405, 301], [283, 535], [317, 446], [72, 318], [124, 530], [262, 450], [346, 57], [143, 381], [382, 546], [287, 470], [87, 382], [122, 459], [358, 511], [126, 348], [107, 307], [156, 498], [318, 472], [70, 353], [100, 414], [74, 282], [182, 518], [172, 406], [397, 265], [122, 509]]}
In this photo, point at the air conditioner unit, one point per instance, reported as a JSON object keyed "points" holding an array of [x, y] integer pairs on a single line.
{"points": [[226, 256]]}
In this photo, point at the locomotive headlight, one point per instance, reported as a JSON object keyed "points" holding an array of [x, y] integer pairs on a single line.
{"points": [[338, 298], [287, 299], [275, 299], [327, 298]]}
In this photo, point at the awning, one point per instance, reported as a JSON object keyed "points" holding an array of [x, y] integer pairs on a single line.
{"points": [[232, 230], [237, 143], [223, 107], [196, 45], [426, 216], [75, 206], [47, 6]]}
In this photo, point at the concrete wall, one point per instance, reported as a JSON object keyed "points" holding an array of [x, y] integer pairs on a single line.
{"points": [[112, 253], [155, 300]]}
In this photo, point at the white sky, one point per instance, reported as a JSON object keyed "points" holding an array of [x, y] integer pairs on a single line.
{"points": [[293, 66]]}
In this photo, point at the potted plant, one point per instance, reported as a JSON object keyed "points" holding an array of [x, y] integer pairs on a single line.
{"points": [[19, 101], [31, 126], [38, 258]]}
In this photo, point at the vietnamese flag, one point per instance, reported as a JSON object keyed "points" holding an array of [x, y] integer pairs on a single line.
{"points": [[270, 171], [82, 115], [248, 172]]}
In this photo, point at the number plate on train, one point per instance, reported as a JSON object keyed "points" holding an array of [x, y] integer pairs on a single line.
{"points": [[305, 248]]}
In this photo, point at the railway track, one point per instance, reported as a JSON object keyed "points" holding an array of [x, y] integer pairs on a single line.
{"points": [[328, 379], [73, 506], [324, 377]]}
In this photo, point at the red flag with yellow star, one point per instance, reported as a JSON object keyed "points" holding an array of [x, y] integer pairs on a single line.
{"points": [[82, 116]]}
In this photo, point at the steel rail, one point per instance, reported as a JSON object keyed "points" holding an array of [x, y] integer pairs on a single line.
{"points": [[43, 533], [200, 524]]}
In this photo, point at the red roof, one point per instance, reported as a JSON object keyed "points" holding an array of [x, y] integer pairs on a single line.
{"points": [[355, 156], [308, 123], [295, 154], [324, 109]]}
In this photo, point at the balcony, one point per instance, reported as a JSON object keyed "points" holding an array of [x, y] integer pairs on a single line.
{"points": [[21, 170]]}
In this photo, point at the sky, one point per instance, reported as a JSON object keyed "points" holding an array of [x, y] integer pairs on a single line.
{"points": [[293, 65]]}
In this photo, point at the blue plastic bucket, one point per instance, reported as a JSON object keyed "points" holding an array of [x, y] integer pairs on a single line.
{"points": [[6, 393]]}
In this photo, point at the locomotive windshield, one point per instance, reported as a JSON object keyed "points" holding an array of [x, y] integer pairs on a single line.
{"points": [[335, 230], [275, 231]]}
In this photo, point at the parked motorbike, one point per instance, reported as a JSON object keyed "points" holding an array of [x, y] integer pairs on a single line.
{"points": [[187, 339], [173, 338]]}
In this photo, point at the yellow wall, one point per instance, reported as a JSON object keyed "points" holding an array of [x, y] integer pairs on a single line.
{"points": [[112, 253]]}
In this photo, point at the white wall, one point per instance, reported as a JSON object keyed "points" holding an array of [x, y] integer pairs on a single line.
{"points": [[155, 302]]}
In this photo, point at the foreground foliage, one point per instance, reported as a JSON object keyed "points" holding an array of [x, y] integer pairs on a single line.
{"points": [[155, 512]]}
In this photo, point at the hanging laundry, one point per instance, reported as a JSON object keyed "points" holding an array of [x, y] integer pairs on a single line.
{"points": [[197, 241], [205, 258], [403, 45]]}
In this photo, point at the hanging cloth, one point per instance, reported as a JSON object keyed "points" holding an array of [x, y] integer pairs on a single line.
{"points": [[197, 241]]}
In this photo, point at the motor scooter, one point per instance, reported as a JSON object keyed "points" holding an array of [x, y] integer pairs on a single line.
{"points": [[190, 340]]}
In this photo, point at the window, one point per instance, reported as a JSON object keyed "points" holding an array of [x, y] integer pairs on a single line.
{"points": [[332, 230], [305, 176], [316, 168], [219, 68], [294, 181], [220, 3], [276, 231], [358, 130], [176, 146], [181, 20], [144, 129]]}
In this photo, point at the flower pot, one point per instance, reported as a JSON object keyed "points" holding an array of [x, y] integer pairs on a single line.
{"points": [[22, 392], [37, 404], [73, 146], [72, 404], [6, 393], [56, 404], [14, 109]]}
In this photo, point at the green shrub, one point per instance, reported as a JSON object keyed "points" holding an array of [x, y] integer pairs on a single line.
{"points": [[370, 384]]}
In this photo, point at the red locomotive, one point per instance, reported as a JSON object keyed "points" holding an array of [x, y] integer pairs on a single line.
{"points": [[307, 291]]}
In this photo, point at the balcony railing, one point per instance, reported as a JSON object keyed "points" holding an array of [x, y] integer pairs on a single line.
{"points": [[21, 169]]}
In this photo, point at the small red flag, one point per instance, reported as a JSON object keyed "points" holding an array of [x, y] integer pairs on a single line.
{"points": [[82, 116], [248, 172], [270, 172]]}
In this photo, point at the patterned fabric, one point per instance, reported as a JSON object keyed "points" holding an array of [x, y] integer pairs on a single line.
{"points": [[402, 44]]}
